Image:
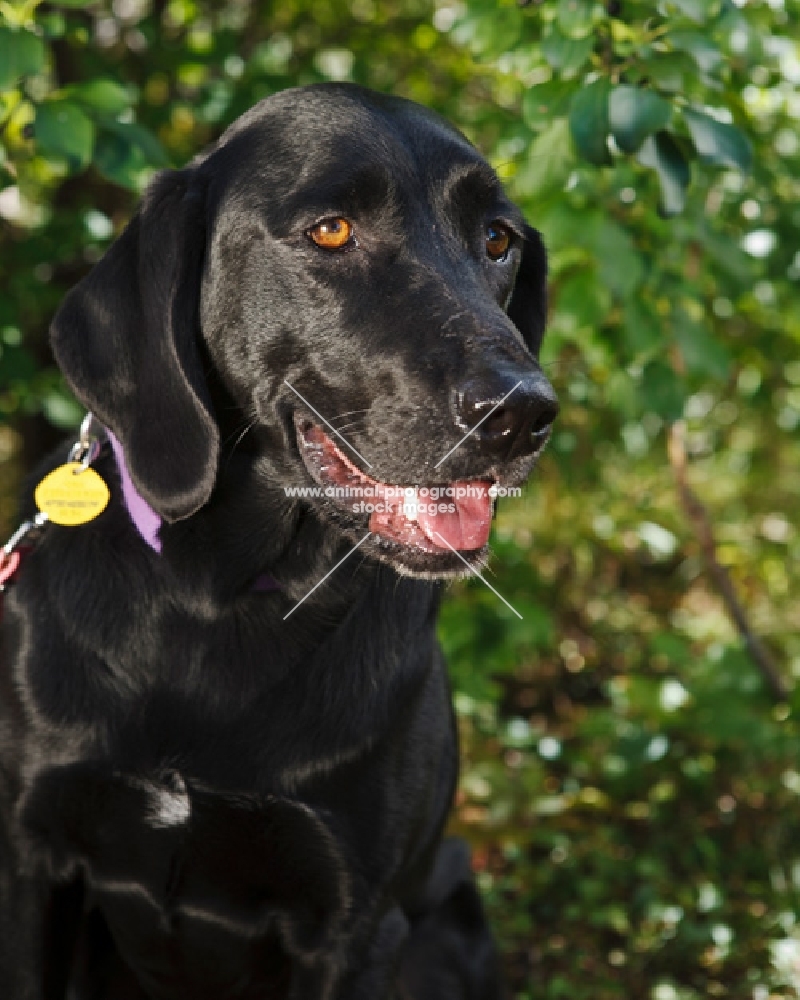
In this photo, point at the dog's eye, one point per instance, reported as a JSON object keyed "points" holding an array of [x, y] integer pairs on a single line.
{"points": [[498, 240], [332, 234]]}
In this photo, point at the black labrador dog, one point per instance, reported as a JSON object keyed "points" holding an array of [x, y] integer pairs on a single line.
{"points": [[221, 778]]}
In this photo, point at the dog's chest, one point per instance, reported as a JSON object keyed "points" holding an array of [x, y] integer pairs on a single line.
{"points": [[198, 887]]}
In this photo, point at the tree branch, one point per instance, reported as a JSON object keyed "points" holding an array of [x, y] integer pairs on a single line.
{"points": [[701, 522]]}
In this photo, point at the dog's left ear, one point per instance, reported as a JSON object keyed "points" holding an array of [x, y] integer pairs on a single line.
{"points": [[527, 309], [127, 341]]}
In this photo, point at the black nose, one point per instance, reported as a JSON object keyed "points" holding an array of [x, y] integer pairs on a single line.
{"points": [[511, 411]]}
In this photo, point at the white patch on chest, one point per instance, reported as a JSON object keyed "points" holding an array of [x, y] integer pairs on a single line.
{"points": [[168, 805]]}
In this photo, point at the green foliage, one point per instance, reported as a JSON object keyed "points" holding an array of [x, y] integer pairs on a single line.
{"points": [[65, 132], [634, 114], [632, 791], [661, 152], [717, 142], [22, 54], [588, 122]]}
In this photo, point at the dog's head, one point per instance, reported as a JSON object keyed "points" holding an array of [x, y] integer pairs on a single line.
{"points": [[343, 275]]}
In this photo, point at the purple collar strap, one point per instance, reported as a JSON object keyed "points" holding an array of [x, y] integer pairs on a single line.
{"points": [[148, 523], [145, 519]]}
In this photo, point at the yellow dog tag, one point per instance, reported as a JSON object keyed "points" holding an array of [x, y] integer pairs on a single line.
{"points": [[70, 496]]}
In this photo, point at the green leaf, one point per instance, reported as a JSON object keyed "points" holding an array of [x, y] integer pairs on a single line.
{"points": [[127, 153], [588, 122], [566, 54], [575, 17], [569, 231], [119, 161], [619, 393], [633, 114], [547, 101], [72, 3], [21, 54], [620, 266], [704, 52], [139, 137], [719, 143], [491, 33], [728, 255], [580, 305], [702, 353], [740, 34], [663, 154], [64, 131], [661, 391], [698, 10], [669, 70], [8, 63], [30, 53], [62, 410], [53, 25], [550, 161], [101, 94], [534, 629], [641, 329]]}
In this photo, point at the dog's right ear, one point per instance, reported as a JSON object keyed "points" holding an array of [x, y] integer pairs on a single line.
{"points": [[127, 340]]}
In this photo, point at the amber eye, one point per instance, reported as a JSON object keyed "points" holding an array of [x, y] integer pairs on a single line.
{"points": [[332, 234], [498, 240]]}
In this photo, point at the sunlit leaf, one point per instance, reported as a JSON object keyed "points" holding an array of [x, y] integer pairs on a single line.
{"points": [[698, 10], [575, 17], [664, 155], [492, 32], [705, 53], [566, 54], [633, 114], [549, 162], [547, 101], [100, 94], [719, 143], [668, 71]]}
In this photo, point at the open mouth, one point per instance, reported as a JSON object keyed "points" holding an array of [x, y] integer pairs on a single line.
{"points": [[431, 519]]}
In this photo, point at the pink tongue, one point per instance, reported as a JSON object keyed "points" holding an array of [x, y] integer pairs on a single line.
{"points": [[465, 528]]}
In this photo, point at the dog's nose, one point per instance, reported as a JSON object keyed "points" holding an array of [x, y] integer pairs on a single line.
{"points": [[511, 411]]}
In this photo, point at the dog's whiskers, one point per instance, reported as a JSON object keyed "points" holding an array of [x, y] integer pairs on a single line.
{"points": [[241, 436], [347, 413], [357, 424]]}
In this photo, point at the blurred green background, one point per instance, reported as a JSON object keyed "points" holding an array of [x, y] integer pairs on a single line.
{"points": [[631, 776]]}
